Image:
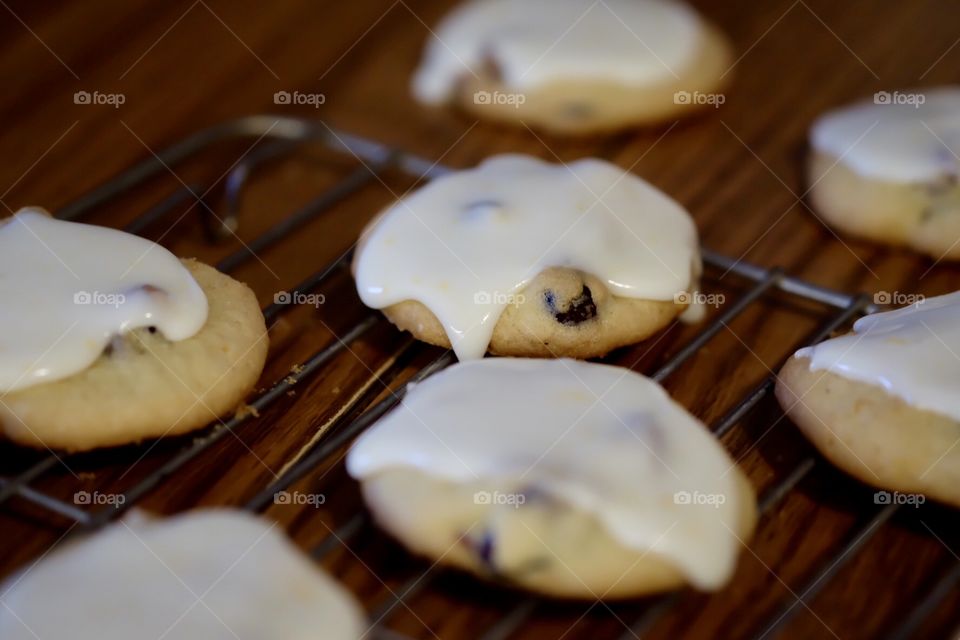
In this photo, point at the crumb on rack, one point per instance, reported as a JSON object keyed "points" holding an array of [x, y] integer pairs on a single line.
{"points": [[245, 410]]}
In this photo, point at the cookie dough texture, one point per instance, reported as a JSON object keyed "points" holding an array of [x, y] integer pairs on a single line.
{"points": [[561, 312], [921, 215], [543, 546], [872, 435], [144, 386]]}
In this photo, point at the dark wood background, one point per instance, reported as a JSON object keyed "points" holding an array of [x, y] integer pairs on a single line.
{"points": [[182, 66]]}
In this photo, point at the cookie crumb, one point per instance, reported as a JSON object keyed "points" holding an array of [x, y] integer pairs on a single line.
{"points": [[245, 410]]}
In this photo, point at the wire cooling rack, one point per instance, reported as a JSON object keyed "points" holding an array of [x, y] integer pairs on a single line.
{"points": [[283, 136]]}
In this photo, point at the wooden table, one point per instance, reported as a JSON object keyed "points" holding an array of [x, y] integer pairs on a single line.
{"points": [[181, 66]]}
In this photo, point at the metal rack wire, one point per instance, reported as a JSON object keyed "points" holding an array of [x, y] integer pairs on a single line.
{"points": [[284, 135]]}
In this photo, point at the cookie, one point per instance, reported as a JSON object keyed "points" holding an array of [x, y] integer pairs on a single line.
{"points": [[886, 170], [567, 478], [114, 340], [521, 257], [574, 66], [880, 402], [216, 574]]}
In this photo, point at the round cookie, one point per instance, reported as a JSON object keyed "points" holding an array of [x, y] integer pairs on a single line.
{"points": [[886, 170], [572, 66], [878, 438], [543, 545], [881, 402], [145, 386], [215, 574], [521, 257], [512, 469]]}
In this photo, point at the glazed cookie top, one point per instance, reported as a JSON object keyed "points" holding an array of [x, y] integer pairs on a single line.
{"points": [[143, 578], [911, 353], [533, 43], [466, 243], [896, 137], [600, 438], [68, 288]]}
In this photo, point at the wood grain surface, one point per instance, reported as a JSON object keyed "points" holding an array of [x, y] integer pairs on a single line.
{"points": [[181, 66]]}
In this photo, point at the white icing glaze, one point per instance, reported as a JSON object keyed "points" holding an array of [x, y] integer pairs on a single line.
{"points": [[142, 578], [536, 42], [895, 140], [465, 244], [912, 353], [601, 438], [68, 288]]}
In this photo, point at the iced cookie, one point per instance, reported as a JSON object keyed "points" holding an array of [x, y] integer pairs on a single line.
{"points": [[214, 574], [574, 66], [886, 169], [564, 477], [107, 338], [522, 257], [881, 403]]}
